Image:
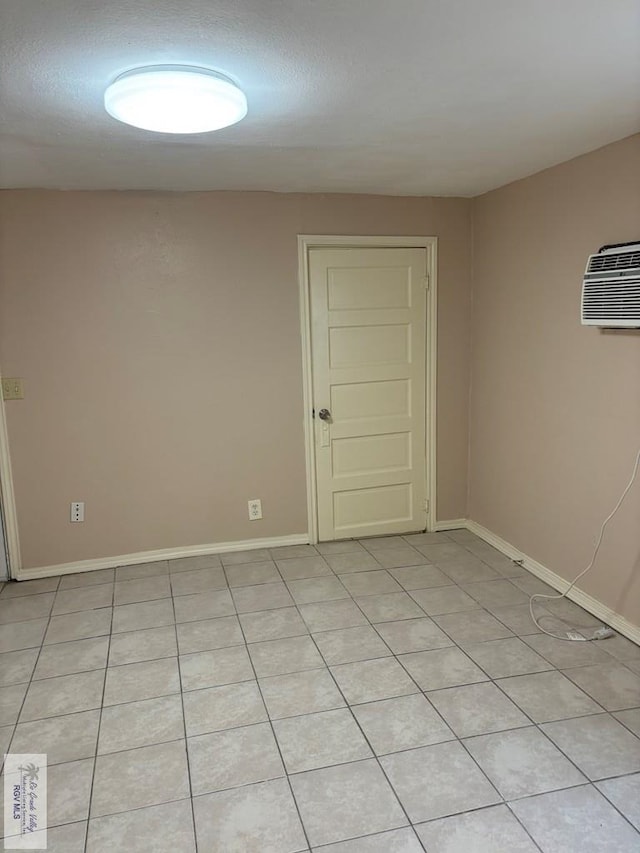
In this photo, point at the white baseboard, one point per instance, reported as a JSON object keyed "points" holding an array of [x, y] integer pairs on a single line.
{"points": [[163, 554], [451, 524], [583, 599]]}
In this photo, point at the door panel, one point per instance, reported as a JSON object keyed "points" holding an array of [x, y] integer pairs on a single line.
{"points": [[368, 287], [358, 346], [368, 322], [371, 453], [353, 401], [367, 507]]}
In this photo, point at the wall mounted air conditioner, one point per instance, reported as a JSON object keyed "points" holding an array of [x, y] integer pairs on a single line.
{"points": [[611, 288]]}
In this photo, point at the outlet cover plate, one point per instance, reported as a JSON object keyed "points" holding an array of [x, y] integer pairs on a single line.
{"points": [[77, 511], [255, 509]]}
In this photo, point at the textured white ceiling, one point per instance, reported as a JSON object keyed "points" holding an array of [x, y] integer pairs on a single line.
{"points": [[416, 97]]}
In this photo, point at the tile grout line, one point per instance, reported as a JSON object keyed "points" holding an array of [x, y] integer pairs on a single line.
{"points": [[273, 732], [457, 739], [30, 681], [134, 809], [95, 756], [584, 784], [275, 739], [622, 723], [373, 753], [610, 801], [524, 828], [184, 725], [451, 739], [532, 722], [452, 644], [589, 782]]}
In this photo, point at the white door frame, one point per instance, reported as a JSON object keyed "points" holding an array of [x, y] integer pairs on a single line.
{"points": [[8, 502], [326, 241]]}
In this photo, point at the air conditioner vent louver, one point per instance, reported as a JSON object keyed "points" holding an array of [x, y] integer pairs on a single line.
{"points": [[611, 289], [624, 260]]}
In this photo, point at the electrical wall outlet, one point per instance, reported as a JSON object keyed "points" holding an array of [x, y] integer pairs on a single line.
{"points": [[12, 388], [77, 511], [255, 509]]}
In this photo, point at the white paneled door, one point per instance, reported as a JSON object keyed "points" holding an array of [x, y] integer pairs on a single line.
{"points": [[368, 330]]}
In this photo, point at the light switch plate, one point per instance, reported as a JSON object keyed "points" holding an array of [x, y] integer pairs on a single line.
{"points": [[12, 388]]}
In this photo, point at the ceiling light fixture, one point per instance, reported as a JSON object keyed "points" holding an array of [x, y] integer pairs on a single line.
{"points": [[175, 99]]}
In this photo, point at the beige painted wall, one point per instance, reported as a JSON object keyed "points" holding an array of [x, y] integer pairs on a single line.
{"points": [[555, 406], [158, 338]]}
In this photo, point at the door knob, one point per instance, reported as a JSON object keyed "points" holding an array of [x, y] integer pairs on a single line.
{"points": [[324, 415]]}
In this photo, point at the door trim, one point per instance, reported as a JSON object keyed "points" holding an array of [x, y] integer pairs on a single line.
{"points": [[327, 241], [8, 502]]}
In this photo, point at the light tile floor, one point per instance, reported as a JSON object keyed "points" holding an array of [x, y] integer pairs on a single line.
{"points": [[384, 696]]}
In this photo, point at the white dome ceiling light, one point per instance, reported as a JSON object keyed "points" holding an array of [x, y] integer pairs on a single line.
{"points": [[175, 99]]}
